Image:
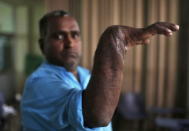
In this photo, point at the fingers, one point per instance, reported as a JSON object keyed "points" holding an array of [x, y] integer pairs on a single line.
{"points": [[165, 28], [174, 27], [140, 36]]}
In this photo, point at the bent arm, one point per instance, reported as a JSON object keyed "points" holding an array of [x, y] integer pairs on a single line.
{"points": [[102, 94]]}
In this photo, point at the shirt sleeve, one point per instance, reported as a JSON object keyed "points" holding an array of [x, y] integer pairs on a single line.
{"points": [[52, 103]]}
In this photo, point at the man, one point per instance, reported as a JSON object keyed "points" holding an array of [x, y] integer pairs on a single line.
{"points": [[61, 95]]}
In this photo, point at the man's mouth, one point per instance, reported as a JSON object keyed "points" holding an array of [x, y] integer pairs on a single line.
{"points": [[70, 54]]}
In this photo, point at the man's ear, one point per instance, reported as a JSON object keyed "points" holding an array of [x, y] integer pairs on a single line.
{"points": [[41, 45]]}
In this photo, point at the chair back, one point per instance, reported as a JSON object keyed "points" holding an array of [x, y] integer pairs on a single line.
{"points": [[132, 106]]}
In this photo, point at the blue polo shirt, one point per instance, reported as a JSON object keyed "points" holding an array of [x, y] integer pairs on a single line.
{"points": [[52, 100]]}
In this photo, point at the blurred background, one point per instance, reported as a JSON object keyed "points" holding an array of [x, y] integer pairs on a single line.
{"points": [[156, 76]]}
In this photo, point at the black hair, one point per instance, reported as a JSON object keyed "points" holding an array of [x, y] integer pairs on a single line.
{"points": [[44, 20]]}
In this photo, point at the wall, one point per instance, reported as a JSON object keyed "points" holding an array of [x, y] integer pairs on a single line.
{"points": [[19, 20], [27, 17], [182, 96], [7, 30], [6, 21]]}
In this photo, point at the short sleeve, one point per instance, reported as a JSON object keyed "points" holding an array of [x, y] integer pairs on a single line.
{"points": [[53, 104]]}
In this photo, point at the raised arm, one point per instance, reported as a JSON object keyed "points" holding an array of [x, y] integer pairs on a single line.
{"points": [[102, 94]]}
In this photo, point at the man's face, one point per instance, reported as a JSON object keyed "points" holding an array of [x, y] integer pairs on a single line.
{"points": [[62, 43]]}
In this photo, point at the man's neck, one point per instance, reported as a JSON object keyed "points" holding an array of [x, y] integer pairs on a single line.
{"points": [[72, 69], [75, 73]]}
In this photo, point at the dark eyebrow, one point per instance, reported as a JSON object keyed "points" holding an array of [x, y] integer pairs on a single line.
{"points": [[77, 31], [64, 32], [60, 32]]}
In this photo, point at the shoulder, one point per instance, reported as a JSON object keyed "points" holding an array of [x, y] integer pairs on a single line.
{"points": [[45, 71]]}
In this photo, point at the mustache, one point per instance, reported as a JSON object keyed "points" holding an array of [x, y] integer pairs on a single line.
{"points": [[70, 53]]}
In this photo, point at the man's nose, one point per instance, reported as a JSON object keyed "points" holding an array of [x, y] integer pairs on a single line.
{"points": [[68, 41]]}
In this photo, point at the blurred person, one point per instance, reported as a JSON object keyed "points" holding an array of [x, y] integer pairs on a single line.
{"points": [[6, 112], [61, 95]]}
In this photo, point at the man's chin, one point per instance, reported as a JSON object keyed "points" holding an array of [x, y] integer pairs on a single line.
{"points": [[70, 63], [70, 66]]}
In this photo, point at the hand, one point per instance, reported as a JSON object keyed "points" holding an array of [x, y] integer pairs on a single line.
{"points": [[142, 35], [164, 28]]}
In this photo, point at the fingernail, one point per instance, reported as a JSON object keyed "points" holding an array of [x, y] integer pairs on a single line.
{"points": [[177, 26], [169, 31]]}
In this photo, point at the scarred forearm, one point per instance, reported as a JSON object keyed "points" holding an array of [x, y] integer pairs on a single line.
{"points": [[102, 94]]}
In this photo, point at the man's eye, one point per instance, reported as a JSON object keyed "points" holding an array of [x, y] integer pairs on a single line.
{"points": [[75, 34], [58, 36]]}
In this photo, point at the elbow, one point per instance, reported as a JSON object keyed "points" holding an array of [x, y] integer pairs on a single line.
{"points": [[96, 112], [103, 122], [97, 122]]}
